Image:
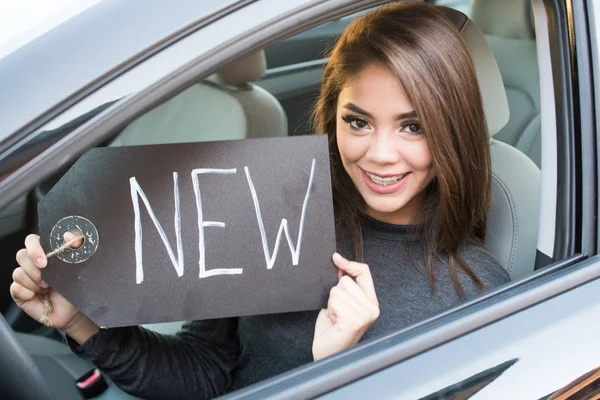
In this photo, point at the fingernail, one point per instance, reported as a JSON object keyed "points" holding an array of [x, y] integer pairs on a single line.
{"points": [[41, 262], [44, 285]]}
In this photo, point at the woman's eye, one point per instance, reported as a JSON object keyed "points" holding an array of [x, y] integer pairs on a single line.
{"points": [[412, 127], [359, 124], [356, 123]]}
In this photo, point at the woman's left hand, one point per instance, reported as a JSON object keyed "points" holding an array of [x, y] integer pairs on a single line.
{"points": [[351, 310]]}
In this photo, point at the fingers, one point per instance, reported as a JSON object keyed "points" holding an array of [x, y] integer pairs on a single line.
{"points": [[28, 268], [21, 277], [356, 292], [343, 304], [360, 272], [21, 294], [35, 250], [352, 304], [27, 278]]}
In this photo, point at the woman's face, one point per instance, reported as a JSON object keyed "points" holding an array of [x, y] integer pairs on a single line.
{"points": [[382, 145]]}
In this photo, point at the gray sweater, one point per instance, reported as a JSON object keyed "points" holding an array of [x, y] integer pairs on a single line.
{"points": [[208, 358]]}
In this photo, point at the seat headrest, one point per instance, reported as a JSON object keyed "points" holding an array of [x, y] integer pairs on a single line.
{"points": [[506, 18], [244, 70], [493, 94]]}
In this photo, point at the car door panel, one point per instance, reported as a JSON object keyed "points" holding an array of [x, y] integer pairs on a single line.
{"points": [[549, 354]]}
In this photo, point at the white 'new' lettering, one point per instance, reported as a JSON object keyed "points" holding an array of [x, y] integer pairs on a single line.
{"points": [[136, 193], [203, 224], [283, 227]]}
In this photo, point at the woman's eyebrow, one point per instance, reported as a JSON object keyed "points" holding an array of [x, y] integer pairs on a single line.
{"points": [[410, 114], [357, 109], [398, 117]]}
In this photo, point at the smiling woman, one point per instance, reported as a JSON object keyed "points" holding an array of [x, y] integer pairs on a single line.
{"points": [[408, 137]]}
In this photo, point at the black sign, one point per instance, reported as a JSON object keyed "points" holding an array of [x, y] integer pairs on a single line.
{"points": [[194, 230]]}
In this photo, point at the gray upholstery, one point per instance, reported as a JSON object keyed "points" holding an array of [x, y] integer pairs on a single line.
{"points": [[200, 113], [490, 80], [264, 115], [504, 18], [514, 214], [508, 27], [247, 69], [225, 106]]}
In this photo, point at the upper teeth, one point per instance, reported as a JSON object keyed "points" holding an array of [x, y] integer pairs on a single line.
{"points": [[388, 180]]}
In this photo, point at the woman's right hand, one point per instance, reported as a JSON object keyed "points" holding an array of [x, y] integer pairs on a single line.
{"points": [[28, 284]]}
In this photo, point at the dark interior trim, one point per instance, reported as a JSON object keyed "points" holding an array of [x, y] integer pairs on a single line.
{"points": [[587, 167], [292, 68], [562, 53]]}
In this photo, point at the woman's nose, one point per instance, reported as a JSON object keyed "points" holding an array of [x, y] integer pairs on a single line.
{"points": [[381, 149]]}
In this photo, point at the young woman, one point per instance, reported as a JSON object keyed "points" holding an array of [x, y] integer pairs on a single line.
{"points": [[411, 175]]}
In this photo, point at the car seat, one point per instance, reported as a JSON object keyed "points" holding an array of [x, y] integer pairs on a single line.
{"points": [[225, 106], [508, 28], [514, 214]]}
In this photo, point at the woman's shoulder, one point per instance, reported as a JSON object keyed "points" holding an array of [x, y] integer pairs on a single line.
{"points": [[484, 265]]}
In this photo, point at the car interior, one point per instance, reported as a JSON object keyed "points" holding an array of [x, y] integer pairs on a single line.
{"points": [[271, 92]]}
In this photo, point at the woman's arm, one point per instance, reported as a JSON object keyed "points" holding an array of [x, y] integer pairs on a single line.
{"points": [[195, 363]]}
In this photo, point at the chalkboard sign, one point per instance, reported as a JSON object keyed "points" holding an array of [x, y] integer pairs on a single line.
{"points": [[194, 230]]}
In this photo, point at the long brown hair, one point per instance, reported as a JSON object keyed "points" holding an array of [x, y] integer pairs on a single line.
{"points": [[427, 54]]}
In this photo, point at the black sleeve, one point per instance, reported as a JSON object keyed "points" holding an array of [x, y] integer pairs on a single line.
{"points": [[195, 363]]}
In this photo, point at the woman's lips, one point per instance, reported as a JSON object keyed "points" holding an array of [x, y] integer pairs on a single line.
{"points": [[381, 189]]}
